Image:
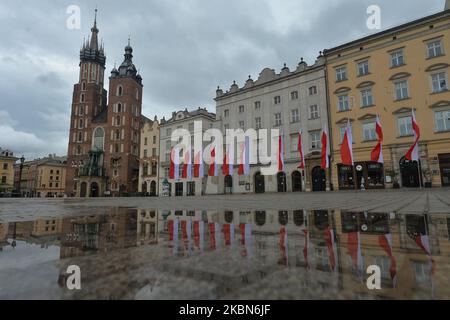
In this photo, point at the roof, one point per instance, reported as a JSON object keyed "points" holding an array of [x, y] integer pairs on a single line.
{"points": [[185, 114]]}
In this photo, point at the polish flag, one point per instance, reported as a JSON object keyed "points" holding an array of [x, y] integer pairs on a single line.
{"points": [[354, 249], [300, 150], [244, 167], [228, 159], [413, 152], [174, 172], [423, 242], [198, 166], [385, 242], [331, 244], [325, 149], [213, 169], [284, 246], [306, 248], [280, 153], [187, 167], [199, 234], [228, 231], [173, 230], [214, 235], [186, 229], [347, 146], [377, 153], [246, 238]]}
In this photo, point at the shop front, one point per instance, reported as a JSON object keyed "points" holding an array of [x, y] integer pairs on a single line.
{"points": [[444, 166], [367, 175]]}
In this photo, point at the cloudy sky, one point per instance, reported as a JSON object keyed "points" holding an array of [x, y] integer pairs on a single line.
{"points": [[183, 49]]}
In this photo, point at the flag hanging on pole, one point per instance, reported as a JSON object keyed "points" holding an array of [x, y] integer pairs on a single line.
{"points": [[198, 166], [199, 234], [187, 166], [284, 246], [246, 238], [385, 242], [213, 169], [347, 146], [325, 149], [377, 153], [244, 166], [174, 172], [300, 150], [228, 231], [280, 153], [228, 159], [413, 152], [331, 245], [354, 250]]}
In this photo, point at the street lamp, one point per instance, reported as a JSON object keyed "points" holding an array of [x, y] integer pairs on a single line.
{"points": [[22, 160]]}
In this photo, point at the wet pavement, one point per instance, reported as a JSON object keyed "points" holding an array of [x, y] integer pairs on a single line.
{"points": [[290, 252]]}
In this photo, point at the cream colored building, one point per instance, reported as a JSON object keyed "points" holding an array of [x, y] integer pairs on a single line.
{"points": [[7, 161], [149, 158], [389, 74]]}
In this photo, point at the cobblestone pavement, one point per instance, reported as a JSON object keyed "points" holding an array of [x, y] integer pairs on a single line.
{"points": [[400, 201]]}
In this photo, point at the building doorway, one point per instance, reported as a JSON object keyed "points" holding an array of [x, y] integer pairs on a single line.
{"points": [[296, 181], [179, 189], [281, 182], [409, 171], [83, 190], [144, 188], [228, 184], [94, 190], [444, 165], [319, 179], [260, 185], [153, 189]]}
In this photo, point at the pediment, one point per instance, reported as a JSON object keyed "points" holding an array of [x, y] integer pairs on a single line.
{"points": [[366, 84], [437, 66], [367, 116], [400, 75], [403, 110], [442, 103], [342, 90], [344, 121]]}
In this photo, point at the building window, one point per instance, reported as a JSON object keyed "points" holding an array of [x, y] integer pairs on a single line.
{"points": [[119, 108], [401, 90], [314, 112], [191, 127], [99, 139], [278, 121], [80, 137], [3, 179], [119, 91], [83, 86], [168, 132], [190, 189], [439, 82], [295, 116], [315, 139], [242, 125], [80, 124], [154, 152], [343, 103], [368, 130], [442, 119], [342, 131], [5, 166], [226, 113], [145, 153], [363, 68], [81, 111], [154, 139], [366, 97], [405, 126], [435, 49], [294, 95], [258, 123], [241, 109], [294, 143], [82, 97], [341, 74], [145, 141], [258, 105], [312, 90], [397, 59], [277, 100]]}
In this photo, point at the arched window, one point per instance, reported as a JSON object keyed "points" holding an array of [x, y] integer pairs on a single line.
{"points": [[119, 107], [119, 91], [80, 136], [83, 86], [99, 139], [137, 94], [80, 124], [118, 121], [81, 111], [117, 134], [79, 150]]}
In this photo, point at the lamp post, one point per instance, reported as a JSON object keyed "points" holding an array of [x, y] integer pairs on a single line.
{"points": [[22, 160]]}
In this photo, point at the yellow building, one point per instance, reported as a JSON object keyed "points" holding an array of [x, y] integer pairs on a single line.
{"points": [[149, 159], [388, 74], [50, 178], [43, 227], [7, 161]]}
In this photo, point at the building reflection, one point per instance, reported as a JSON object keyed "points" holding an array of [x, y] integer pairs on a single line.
{"points": [[333, 248]]}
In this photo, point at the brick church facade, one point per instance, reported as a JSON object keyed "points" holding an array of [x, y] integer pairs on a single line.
{"points": [[103, 152]]}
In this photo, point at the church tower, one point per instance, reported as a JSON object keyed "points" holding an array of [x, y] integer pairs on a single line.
{"points": [[447, 5], [88, 104], [125, 110]]}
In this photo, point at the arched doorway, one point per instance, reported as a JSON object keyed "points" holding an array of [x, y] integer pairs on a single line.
{"points": [[94, 190], [319, 179], [83, 190], [410, 173], [144, 188], [260, 218], [321, 220], [281, 182], [296, 181], [228, 184], [260, 184], [153, 189]]}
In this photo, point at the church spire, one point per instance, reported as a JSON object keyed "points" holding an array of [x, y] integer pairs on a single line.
{"points": [[94, 37]]}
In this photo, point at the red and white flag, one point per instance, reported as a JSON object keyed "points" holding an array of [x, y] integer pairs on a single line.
{"points": [[284, 246], [385, 242], [300, 151], [213, 168], [214, 235], [413, 152], [325, 149], [347, 146], [307, 249], [199, 166], [228, 161], [244, 166], [174, 172], [280, 153], [173, 226], [377, 153], [354, 250], [331, 245], [187, 166], [199, 234], [228, 231], [246, 238]]}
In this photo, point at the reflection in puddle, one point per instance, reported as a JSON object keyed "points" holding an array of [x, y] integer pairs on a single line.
{"points": [[151, 254]]}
